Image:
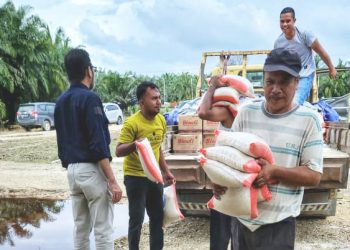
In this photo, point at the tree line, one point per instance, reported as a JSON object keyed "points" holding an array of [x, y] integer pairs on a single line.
{"points": [[31, 69]]}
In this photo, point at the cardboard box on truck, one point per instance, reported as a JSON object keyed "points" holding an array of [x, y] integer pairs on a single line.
{"points": [[190, 123], [187, 143], [209, 126]]}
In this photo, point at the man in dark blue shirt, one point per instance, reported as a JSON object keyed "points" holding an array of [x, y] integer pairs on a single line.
{"points": [[83, 147]]}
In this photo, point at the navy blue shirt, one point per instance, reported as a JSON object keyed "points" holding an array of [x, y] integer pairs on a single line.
{"points": [[81, 126]]}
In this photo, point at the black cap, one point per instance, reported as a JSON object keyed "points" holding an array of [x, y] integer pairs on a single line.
{"points": [[283, 60]]}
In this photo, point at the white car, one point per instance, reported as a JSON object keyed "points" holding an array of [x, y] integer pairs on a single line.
{"points": [[113, 112]]}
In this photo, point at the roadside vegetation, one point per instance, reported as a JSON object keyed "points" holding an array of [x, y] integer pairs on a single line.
{"points": [[31, 69]]}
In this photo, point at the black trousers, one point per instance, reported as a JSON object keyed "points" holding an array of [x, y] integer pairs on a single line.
{"points": [[276, 236], [144, 194], [223, 229]]}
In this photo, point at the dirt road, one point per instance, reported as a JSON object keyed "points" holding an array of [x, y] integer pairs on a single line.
{"points": [[29, 168]]}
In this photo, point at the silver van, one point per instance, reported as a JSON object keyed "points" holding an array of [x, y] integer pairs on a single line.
{"points": [[36, 114]]}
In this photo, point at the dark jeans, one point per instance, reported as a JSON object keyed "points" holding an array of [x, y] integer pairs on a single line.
{"points": [[276, 236], [144, 194], [223, 228]]}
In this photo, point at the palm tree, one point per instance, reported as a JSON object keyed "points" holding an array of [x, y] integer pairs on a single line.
{"points": [[30, 61]]}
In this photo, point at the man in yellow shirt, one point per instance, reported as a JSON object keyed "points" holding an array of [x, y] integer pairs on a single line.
{"points": [[143, 193]]}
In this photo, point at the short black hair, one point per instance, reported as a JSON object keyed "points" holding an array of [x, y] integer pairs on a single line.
{"points": [[288, 10], [142, 88], [76, 61]]}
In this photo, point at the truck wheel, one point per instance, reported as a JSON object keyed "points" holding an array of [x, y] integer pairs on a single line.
{"points": [[46, 125]]}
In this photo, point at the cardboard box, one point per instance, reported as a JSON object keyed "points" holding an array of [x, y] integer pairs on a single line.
{"points": [[209, 140], [187, 143], [209, 126], [190, 123]]}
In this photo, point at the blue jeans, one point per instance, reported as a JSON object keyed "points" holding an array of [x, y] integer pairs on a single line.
{"points": [[144, 194], [223, 229], [304, 88], [276, 236]]}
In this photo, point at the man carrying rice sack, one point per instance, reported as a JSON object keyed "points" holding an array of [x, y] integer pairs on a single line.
{"points": [[223, 228], [142, 192], [294, 135]]}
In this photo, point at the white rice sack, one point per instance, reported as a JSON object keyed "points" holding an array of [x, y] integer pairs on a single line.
{"points": [[226, 176], [148, 161], [247, 143], [172, 212], [239, 83], [237, 202], [227, 94], [233, 108], [264, 194], [232, 157]]}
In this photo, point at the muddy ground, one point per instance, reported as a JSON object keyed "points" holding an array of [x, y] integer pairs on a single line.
{"points": [[29, 168]]}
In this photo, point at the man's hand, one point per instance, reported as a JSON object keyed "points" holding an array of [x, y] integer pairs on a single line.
{"points": [[216, 82], [332, 73], [169, 178], [266, 174], [218, 191], [115, 191]]}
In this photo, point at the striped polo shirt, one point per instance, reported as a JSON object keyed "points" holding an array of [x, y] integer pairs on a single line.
{"points": [[295, 139]]}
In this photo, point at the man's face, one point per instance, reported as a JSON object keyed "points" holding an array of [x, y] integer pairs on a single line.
{"points": [[287, 22], [279, 89], [150, 102]]}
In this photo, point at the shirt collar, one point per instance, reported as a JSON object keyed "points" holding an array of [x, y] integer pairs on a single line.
{"points": [[78, 85]]}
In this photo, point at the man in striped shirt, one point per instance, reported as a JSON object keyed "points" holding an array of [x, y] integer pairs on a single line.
{"points": [[294, 135]]}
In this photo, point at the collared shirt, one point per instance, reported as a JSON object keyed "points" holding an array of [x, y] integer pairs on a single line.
{"points": [[81, 126]]}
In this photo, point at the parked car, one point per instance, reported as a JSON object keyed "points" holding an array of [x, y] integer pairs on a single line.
{"points": [[36, 114], [113, 112]]}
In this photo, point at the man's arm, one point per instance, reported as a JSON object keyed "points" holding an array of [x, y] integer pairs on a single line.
{"points": [[206, 111], [113, 186], [124, 149], [168, 176], [317, 47], [297, 176]]}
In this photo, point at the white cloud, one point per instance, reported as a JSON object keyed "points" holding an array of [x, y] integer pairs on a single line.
{"points": [[156, 36]]}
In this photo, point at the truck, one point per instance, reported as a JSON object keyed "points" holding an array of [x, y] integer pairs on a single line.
{"points": [[194, 188]]}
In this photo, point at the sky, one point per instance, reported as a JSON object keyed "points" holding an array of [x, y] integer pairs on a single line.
{"points": [[152, 37]]}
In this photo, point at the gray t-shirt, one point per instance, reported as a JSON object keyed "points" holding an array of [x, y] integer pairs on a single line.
{"points": [[301, 43]]}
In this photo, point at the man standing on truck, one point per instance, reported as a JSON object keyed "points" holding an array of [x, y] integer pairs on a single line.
{"points": [[304, 43], [294, 134], [143, 193], [223, 228], [83, 147]]}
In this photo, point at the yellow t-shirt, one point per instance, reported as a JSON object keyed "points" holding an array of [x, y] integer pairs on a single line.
{"points": [[136, 127]]}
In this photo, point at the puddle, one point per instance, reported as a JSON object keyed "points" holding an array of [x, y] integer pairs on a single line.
{"points": [[42, 224]]}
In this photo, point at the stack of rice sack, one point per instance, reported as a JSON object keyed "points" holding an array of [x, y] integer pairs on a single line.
{"points": [[231, 163], [229, 96]]}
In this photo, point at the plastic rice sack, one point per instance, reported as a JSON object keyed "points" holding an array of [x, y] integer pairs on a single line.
{"points": [[232, 157], [247, 143], [264, 193], [226, 176], [239, 83], [148, 161], [227, 94], [237, 202], [231, 107], [172, 212]]}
